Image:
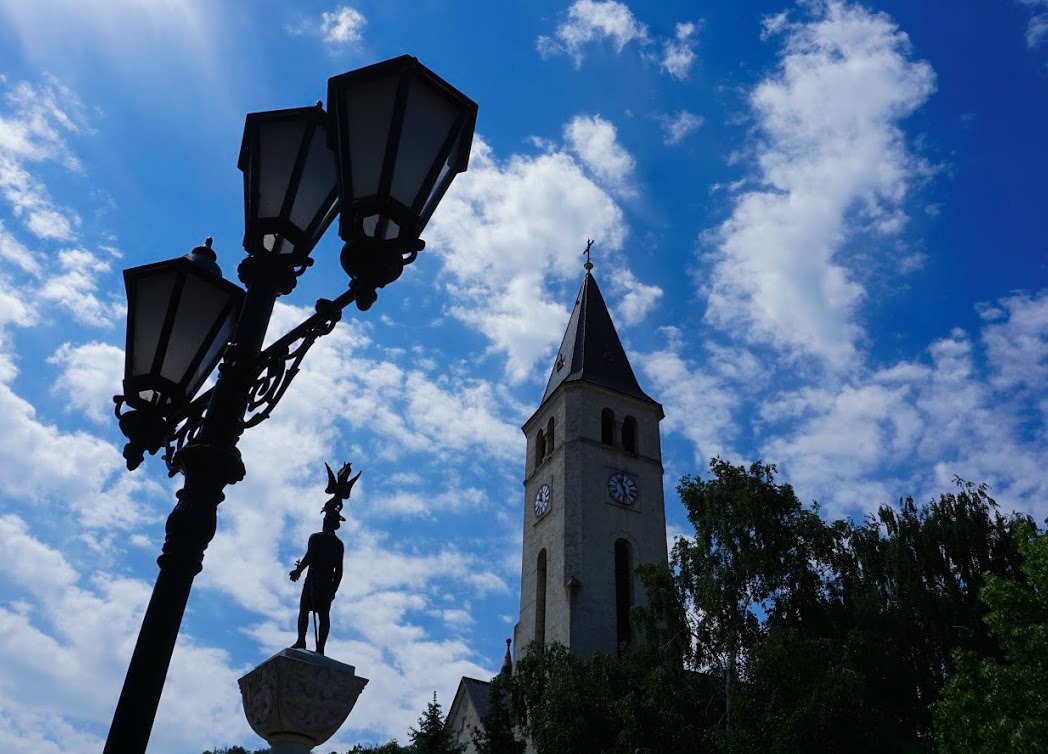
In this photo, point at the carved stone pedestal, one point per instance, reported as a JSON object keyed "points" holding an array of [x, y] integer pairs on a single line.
{"points": [[297, 699]]}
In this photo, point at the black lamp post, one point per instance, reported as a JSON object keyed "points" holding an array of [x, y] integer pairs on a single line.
{"points": [[401, 135]]}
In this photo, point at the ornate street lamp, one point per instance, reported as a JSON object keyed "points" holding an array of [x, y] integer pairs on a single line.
{"points": [[290, 196], [401, 135], [180, 315]]}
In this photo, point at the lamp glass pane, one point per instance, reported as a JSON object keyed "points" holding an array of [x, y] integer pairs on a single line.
{"points": [[428, 118], [314, 194], [151, 293], [214, 351], [199, 308], [437, 190], [279, 142], [390, 230], [367, 110]]}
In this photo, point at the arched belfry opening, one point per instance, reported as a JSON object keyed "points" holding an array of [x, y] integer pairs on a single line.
{"points": [[629, 434], [549, 435], [540, 598], [607, 426], [623, 592], [540, 447]]}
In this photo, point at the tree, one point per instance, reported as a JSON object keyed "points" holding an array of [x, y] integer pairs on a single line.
{"points": [[824, 636], [606, 703], [391, 747], [999, 705], [496, 734], [430, 737], [745, 556]]}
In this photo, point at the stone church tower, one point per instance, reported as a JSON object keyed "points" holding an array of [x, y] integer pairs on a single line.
{"points": [[593, 502], [593, 505]]}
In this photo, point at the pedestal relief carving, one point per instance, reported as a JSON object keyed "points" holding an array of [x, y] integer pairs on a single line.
{"points": [[298, 699]]}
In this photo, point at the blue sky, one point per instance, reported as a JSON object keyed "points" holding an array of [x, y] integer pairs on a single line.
{"points": [[820, 228]]}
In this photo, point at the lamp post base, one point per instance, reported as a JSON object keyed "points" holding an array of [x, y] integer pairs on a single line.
{"points": [[298, 699]]}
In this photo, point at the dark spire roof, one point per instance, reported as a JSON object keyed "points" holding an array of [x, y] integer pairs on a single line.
{"points": [[591, 350], [507, 661]]}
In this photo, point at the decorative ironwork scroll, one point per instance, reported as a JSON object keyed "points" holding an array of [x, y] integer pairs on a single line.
{"points": [[269, 375]]}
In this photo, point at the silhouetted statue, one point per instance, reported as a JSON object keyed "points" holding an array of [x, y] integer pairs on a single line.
{"points": [[323, 558]]}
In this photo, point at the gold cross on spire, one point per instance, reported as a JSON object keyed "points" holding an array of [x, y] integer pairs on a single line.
{"points": [[589, 265]]}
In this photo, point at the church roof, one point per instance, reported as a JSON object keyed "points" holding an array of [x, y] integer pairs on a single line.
{"points": [[477, 693], [591, 350]]}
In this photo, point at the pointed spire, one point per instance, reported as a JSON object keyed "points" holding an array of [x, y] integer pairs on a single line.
{"points": [[507, 661], [591, 350]]}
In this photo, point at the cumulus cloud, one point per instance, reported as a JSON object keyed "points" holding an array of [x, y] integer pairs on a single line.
{"points": [[593, 21], [1016, 339], [14, 251], [678, 54], [342, 26], [595, 141], [74, 288], [505, 233], [698, 401], [1037, 30], [91, 376], [679, 126], [909, 428], [636, 299], [34, 131], [1037, 26], [833, 163]]}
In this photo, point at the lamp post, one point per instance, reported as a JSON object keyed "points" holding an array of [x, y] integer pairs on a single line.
{"points": [[395, 137]]}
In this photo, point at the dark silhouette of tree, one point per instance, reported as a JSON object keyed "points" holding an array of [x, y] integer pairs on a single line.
{"points": [[497, 734], [430, 737], [1000, 704]]}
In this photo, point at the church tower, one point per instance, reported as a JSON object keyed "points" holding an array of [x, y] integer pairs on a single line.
{"points": [[593, 503]]}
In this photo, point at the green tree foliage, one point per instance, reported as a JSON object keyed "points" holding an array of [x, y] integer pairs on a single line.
{"points": [[824, 636], [497, 734], [567, 705], [392, 747], [748, 554], [430, 737], [999, 704]]}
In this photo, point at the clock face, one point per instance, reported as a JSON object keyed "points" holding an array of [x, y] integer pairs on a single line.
{"points": [[623, 488], [542, 500]]}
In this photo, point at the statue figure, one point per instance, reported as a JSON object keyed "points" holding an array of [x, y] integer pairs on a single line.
{"points": [[323, 558]]}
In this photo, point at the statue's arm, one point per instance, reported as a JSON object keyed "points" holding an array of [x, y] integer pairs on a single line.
{"points": [[303, 564], [337, 576]]}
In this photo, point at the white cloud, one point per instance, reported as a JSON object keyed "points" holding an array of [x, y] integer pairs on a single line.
{"points": [[834, 164], [910, 427], [69, 653], [637, 298], [91, 376], [1037, 30], [591, 21], [699, 403], [595, 141], [75, 287], [507, 232], [15, 252], [1016, 341], [342, 26], [678, 54], [679, 126]]}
